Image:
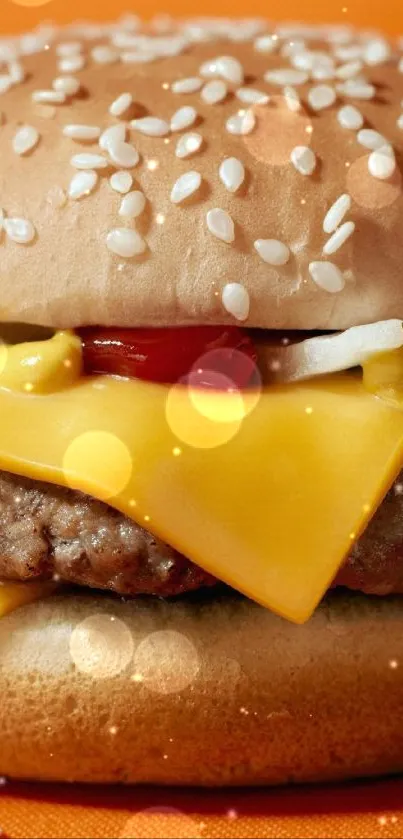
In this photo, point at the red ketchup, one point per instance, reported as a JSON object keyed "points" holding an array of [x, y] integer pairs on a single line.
{"points": [[169, 354]]}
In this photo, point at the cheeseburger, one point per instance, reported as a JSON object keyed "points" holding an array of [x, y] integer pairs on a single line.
{"points": [[201, 403]]}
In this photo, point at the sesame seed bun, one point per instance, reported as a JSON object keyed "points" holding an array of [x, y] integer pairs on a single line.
{"points": [[66, 272], [215, 691]]}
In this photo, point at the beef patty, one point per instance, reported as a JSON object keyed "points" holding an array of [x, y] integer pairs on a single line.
{"points": [[47, 531]]}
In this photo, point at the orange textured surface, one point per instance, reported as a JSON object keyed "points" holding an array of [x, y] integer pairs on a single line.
{"points": [[22, 14], [357, 811], [354, 811]]}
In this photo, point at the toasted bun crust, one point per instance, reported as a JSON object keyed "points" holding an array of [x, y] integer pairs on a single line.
{"points": [[66, 276], [191, 692]]}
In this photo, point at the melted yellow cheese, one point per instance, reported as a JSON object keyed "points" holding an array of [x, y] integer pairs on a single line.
{"points": [[13, 595], [267, 492]]}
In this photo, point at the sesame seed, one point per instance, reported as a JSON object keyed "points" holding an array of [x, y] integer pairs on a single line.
{"points": [[350, 52], [349, 70], [82, 184], [304, 159], [230, 69], [356, 89], [272, 251], [400, 122], [125, 243], [66, 84], [251, 96], [220, 224], [71, 64], [5, 83], [121, 104], [55, 97], [183, 118], [371, 139], [112, 135], [16, 72], [123, 154], [214, 91], [121, 182], [151, 126], [89, 161], [266, 43], [400, 66], [235, 299], [152, 165], [67, 48], [286, 77], [188, 144], [132, 205], [185, 186], [241, 123], [232, 173], [81, 132], [104, 54], [327, 276], [302, 59], [19, 230], [322, 96], [292, 99], [190, 85], [56, 197], [350, 117], [336, 213], [322, 73], [25, 139], [226, 66], [382, 163], [376, 51], [339, 237], [142, 57]]}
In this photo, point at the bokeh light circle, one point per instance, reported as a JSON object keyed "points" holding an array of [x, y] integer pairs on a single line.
{"points": [[30, 3], [206, 408], [101, 646], [157, 822], [167, 661], [192, 427], [278, 130], [101, 460], [228, 371], [369, 192], [228, 409]]}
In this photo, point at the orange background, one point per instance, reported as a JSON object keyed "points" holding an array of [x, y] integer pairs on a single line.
{"points": [[355, 811], [18, 15]]}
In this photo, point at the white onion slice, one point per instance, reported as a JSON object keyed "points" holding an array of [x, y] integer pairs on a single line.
{"points": [[330, 353]]}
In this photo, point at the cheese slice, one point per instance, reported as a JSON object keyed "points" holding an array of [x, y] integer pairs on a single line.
{"points": [[13, 595], [267, 492]]}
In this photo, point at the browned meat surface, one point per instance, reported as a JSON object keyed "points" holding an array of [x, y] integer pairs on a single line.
{"points": [[48, 531]]}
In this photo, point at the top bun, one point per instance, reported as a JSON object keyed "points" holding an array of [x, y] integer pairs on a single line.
{"points": [[319, 86]]}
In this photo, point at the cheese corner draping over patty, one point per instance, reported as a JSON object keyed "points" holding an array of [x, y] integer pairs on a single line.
{"points": [[49, 532]]}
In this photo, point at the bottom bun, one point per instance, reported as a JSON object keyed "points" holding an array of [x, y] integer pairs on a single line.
{"points": [[210, 690]]}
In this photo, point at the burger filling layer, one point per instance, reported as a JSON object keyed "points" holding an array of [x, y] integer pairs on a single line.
{"points": [[250, 455], [48, 532]]}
